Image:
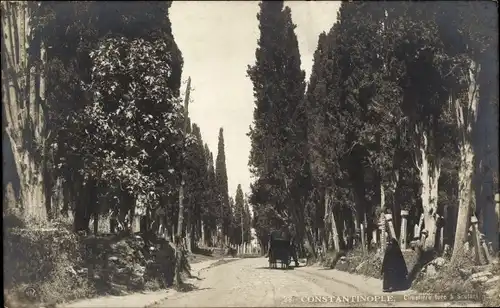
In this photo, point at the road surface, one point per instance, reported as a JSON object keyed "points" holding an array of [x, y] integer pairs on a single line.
{"points": [[250, 283]]}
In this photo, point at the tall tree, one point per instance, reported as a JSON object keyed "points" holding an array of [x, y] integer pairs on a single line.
{"points": [[211, 206], [197, 184], [239, 216], [247, 223], [278, 135], [469, 39], [73, 30], [325, 138], [222, 187], [24, 110]]}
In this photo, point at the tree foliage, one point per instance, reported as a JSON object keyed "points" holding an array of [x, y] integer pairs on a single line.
{"points": [[278, 135], [391, 115]]}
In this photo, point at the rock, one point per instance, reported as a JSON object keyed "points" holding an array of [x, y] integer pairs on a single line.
{"points": [[138, 270], [360, 266], [113, 258], [465, 272], [480, 279], [439, 262], [491, 292], [481, 268], [481, 274], [495, 280], [72, 271], [447, 250], [430, 270], [117, 289]]}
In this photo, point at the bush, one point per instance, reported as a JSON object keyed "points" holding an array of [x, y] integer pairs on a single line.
{"points": [[43, 259], [62, 266], [449, 280]]}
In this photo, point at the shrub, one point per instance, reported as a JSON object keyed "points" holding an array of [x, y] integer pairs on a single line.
{"points": [[42, 259]]}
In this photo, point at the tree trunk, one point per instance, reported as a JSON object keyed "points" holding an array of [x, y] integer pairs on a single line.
{"points": [[466, 113], [203, 234], [48, 185], [96, 223], [429, 177], [178, 239], [333, 223], [23, 116], [242, 225], [486, 158], [310, 238], [189, 230], [180, 219], [383, 238]]}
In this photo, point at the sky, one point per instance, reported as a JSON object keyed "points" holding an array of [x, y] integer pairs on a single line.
{"points": [[218, 41]]}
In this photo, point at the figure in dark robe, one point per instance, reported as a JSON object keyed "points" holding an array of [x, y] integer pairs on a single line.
{"points": [[394, 268]]}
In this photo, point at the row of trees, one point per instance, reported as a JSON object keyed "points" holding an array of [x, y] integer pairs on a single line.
{"points": [[399, 113], [94, 122]]}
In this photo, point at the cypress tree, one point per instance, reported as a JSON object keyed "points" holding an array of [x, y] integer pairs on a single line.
{"points": [[279, 131], [224, 216]]}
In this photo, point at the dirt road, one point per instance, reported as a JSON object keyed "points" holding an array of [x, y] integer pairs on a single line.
{"points": [[248, 282]]}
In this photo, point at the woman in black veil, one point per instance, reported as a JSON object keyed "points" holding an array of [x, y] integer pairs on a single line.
{"points": [[394, 268]]}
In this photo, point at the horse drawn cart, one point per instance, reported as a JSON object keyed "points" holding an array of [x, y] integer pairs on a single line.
{"points": [[279, 250]]}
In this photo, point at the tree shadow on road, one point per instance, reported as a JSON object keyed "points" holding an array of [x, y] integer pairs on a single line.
{"points": [[195, 277], [189, 287], [291, 268]]}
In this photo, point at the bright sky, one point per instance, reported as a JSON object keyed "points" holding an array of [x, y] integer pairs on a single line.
{"points": [[218, 40]]}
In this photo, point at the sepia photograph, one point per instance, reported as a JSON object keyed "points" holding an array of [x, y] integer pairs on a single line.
{"points": [[250, 154]]}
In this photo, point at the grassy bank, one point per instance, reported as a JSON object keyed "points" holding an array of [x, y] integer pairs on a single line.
{"points": [[53, 265], [428, 273]]}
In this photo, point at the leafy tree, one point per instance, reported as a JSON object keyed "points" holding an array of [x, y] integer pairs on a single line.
{"points": [[121, 143], [72, 31], [425, 64], [470, 41]]}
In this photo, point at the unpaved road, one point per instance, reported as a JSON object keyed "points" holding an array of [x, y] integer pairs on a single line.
{"points": [[248, 282]]}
